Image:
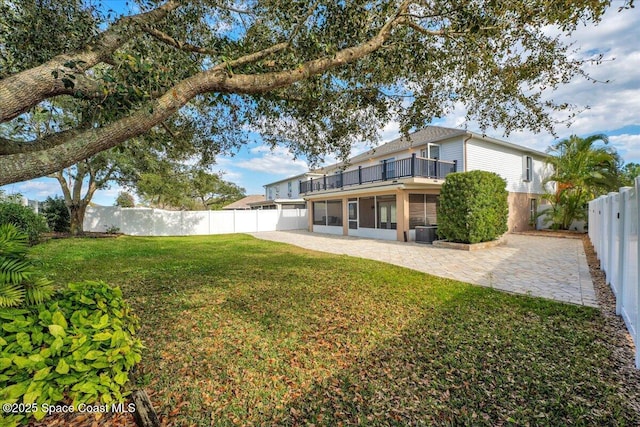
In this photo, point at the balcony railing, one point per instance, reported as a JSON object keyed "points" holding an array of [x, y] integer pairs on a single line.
{"points": [[385, 171]]}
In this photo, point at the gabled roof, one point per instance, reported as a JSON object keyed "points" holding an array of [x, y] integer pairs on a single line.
{"points": [[421, 137], [244, 202]]}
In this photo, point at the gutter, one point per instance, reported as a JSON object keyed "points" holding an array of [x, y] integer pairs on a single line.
{"points": [[464, 147]]}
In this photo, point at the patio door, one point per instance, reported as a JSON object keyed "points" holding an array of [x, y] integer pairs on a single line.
{"points": [[353, 215]]}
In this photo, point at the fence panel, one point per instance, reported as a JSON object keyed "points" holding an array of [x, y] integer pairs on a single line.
{"points": [[158, 222], [614, 226]]}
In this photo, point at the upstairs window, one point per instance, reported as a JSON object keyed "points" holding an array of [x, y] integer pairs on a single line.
{"points": [[528, 168], [431, 152]]}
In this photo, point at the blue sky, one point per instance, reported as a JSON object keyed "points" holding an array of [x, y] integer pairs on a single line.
{"points": [[614, 109]]}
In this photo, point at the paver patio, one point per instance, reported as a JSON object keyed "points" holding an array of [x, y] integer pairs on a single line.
{"points": [[547, 267]]}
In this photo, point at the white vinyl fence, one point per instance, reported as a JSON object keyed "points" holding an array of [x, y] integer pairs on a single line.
{"points": [[158, 222], [613, 230]]}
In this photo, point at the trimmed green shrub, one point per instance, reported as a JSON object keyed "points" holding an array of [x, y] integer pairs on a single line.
{"points": [[77, 348], [20, 281], [473, 207], [23, 217], [57, 214]]}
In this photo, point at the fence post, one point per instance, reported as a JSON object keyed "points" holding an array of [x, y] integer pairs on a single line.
{"points": [[622, 208], [384, 170], [359, 175], [637, 264]]}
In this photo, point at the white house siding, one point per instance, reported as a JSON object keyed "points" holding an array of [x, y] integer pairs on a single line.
{"points": [[510, 164], [280, 190], [453, 150], [506, 162]]}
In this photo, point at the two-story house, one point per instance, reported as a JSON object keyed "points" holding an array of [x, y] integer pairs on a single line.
{"points": [[285, 193], [386, 192]]}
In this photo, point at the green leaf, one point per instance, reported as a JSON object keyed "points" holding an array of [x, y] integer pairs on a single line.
{"points": [[56, 345], [104, 321], [16, 390], [5, 362], [23, 341], [62, 367], [57, 331], [93, 354], [58, 319], [102, 336], [42, 373], [121, 378], [30, 397]]}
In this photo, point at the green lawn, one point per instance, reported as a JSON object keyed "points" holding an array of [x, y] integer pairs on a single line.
{"points": [[243, 331]]}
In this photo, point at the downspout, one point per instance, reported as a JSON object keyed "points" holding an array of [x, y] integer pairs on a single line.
{"points": [[464, 148]]}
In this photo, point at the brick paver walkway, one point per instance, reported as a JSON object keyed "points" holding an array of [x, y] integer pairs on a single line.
{"points": [[547, 267]]}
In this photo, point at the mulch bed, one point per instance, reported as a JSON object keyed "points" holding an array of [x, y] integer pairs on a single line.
{"points": [[89, 234]]}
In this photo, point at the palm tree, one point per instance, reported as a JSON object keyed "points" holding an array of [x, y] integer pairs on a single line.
{"points": [[582, 170]]}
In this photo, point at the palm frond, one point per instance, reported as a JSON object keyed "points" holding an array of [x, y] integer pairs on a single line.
{"points": [[11, 295], [14, 271], [38, 291]]}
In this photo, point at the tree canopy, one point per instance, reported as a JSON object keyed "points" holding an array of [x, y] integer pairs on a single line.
{"points": [[312, 75]]}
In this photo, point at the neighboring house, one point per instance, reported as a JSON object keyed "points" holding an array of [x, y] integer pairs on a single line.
{"points": [[285, 194], [388, 191], [244, 203]]}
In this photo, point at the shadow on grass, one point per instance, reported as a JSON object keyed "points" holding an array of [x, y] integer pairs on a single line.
{"points": [[480, 358]]}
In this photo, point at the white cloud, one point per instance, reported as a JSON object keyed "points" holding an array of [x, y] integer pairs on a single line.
{"points": [[277, 161], [36, 189], [627, 145]]}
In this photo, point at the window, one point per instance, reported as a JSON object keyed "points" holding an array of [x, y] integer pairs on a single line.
{"points": [[270, 194], [431, 152], [327, 213], [533, 209], [528, 168], [387, 212], [319, 213], [423, 209], [289, 189], [334, 212]]}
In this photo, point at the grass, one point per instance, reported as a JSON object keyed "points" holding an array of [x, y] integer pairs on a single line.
{"points": [[240, 331]]}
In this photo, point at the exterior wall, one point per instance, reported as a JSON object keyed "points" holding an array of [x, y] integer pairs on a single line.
{"points": [[281, 190], [520, 211], [507, 162]]}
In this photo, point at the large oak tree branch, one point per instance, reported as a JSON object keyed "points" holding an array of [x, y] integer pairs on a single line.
{"points": [[8, 146], [21, 91], [23, 166]]}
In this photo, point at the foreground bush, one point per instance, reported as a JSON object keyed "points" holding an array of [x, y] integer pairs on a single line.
{"points": [[473, 207], [20, 282], [23, 217], [77, 348]]}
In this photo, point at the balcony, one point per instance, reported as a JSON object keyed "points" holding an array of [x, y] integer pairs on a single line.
{"points": [[405, 168]]}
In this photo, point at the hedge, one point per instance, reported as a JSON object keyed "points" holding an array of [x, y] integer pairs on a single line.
{"points": [[473, 207]]}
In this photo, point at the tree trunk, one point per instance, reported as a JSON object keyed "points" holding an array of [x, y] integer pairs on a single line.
{"points": [[77, 212]]}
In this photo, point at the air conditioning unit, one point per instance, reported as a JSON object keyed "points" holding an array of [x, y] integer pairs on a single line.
{"points": [[426, 234]]}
